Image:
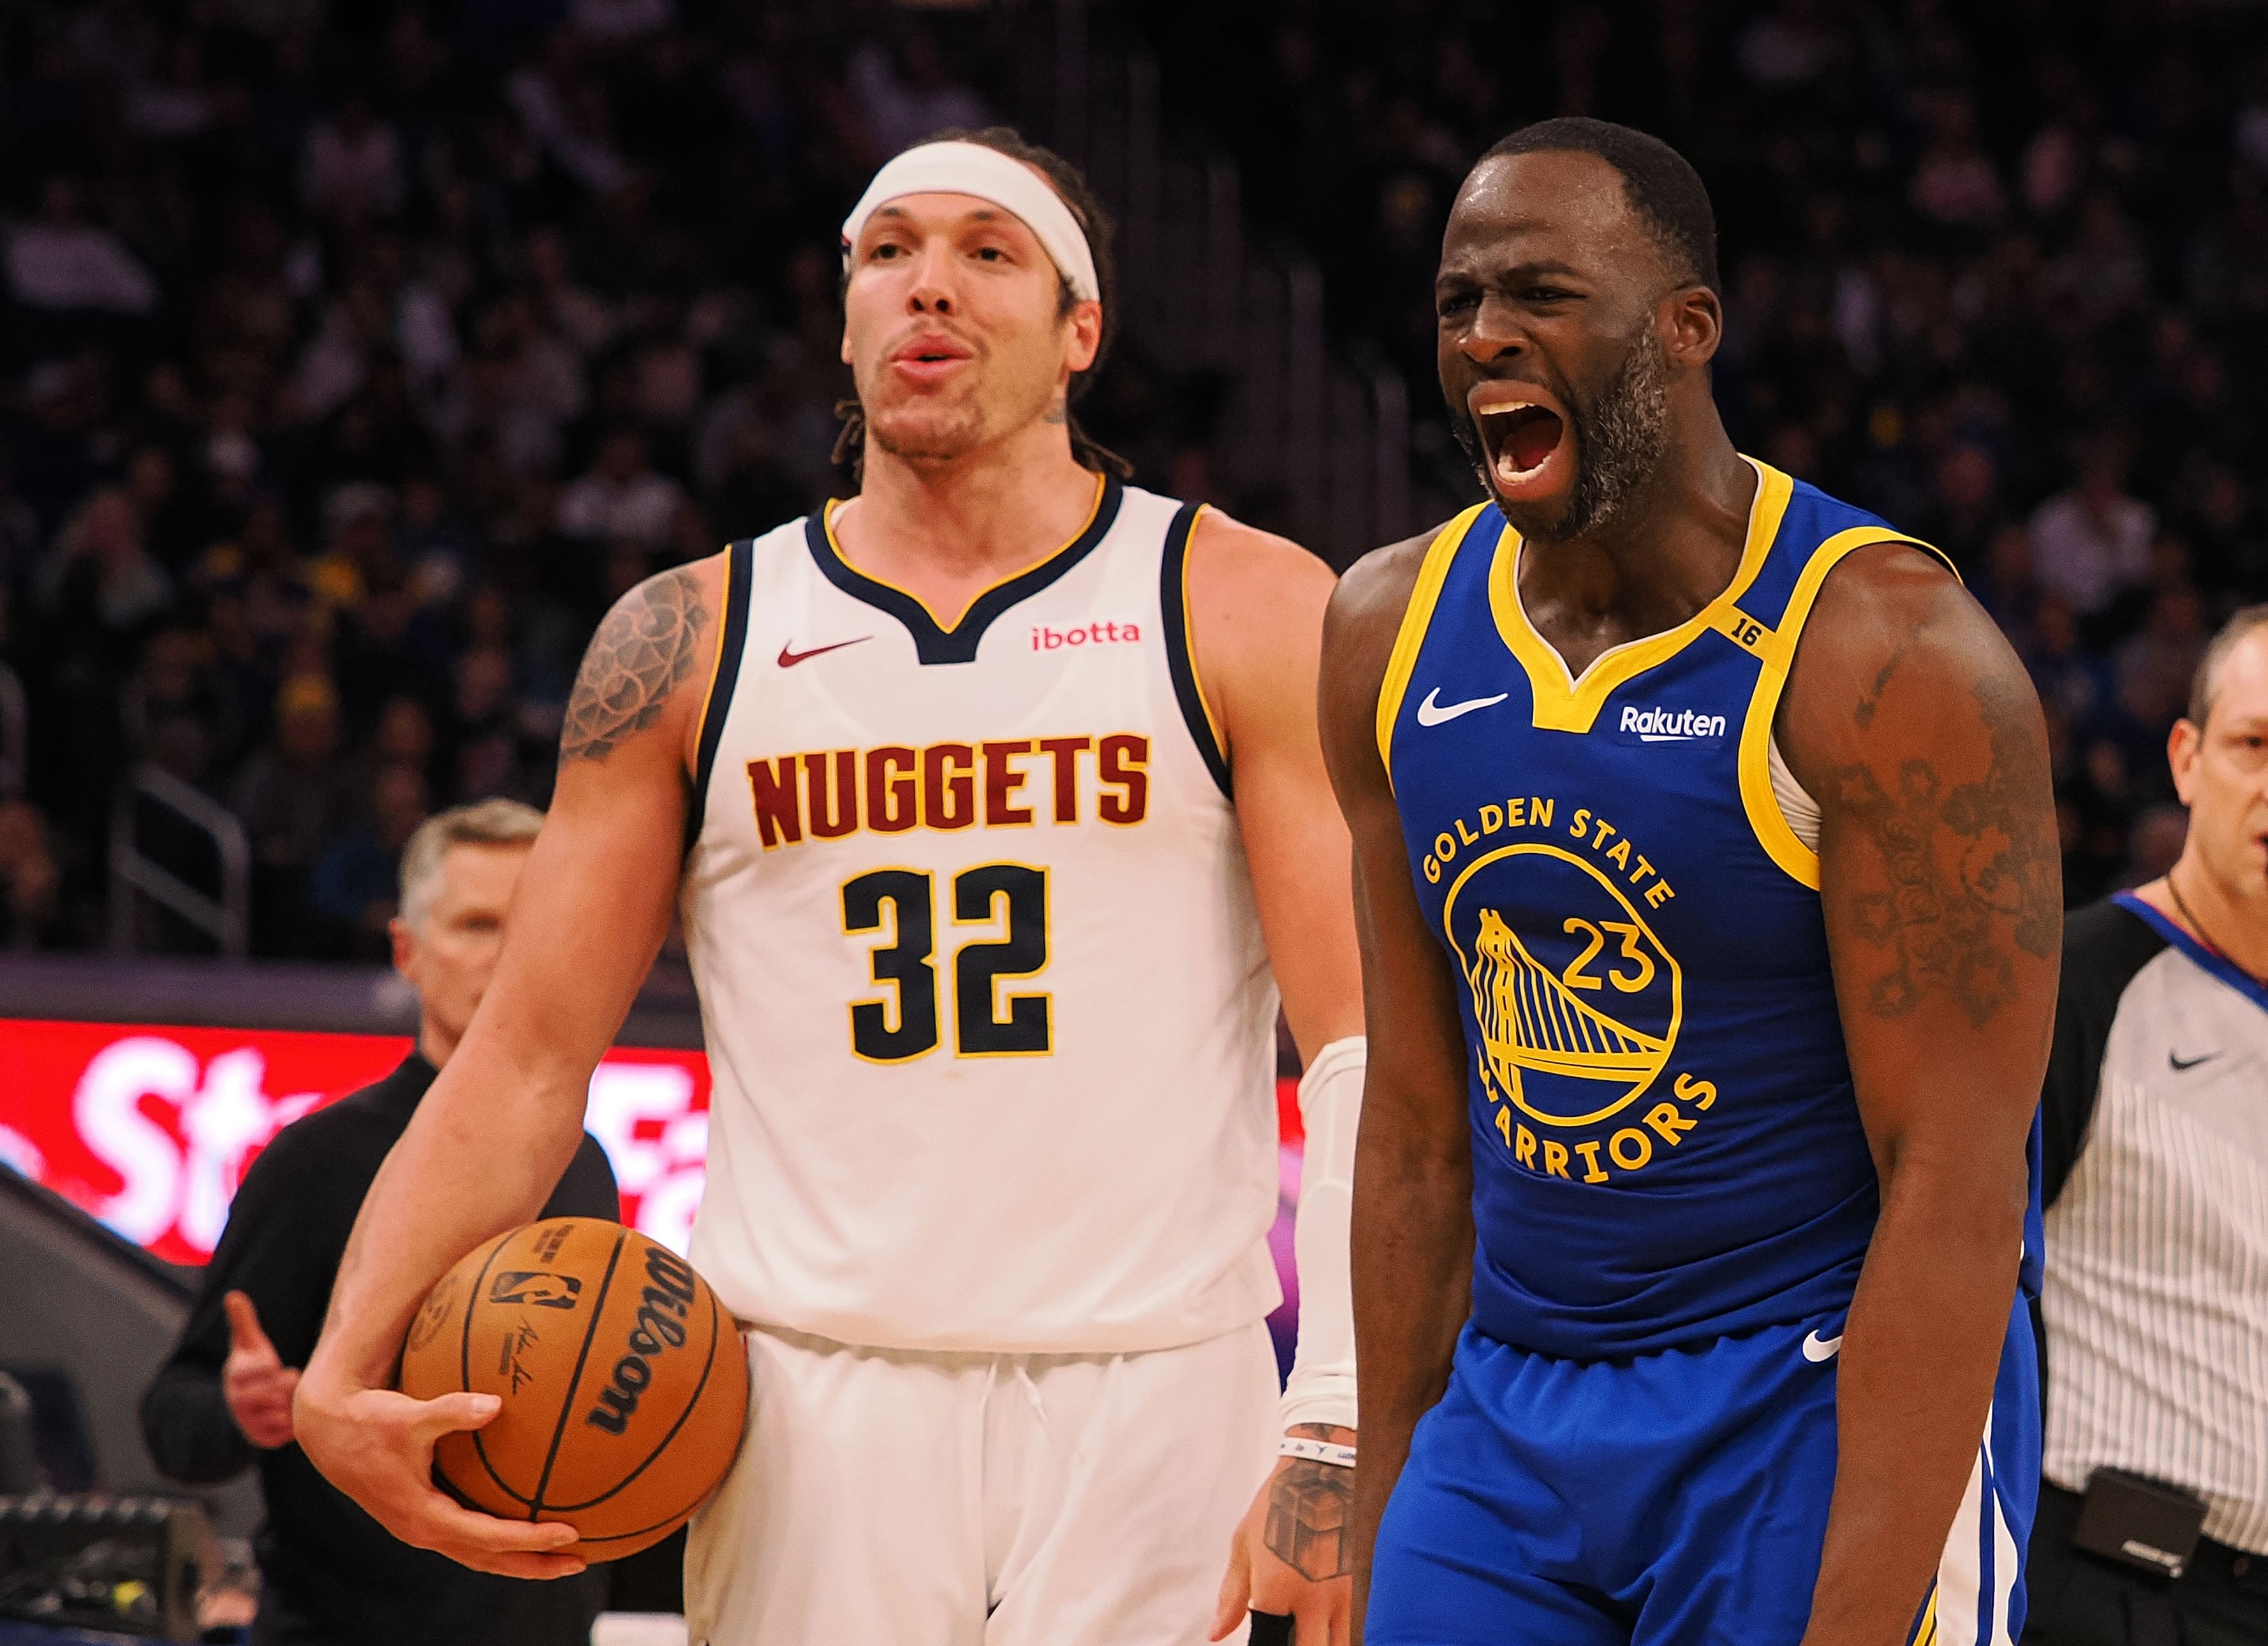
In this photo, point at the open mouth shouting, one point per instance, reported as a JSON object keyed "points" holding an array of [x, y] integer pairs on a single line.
{"points": [[1524, 434]]}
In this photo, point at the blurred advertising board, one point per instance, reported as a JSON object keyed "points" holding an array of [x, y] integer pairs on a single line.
{"points": [[150, 1127]]}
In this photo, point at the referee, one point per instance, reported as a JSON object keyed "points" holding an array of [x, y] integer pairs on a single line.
{"points": [[330, 1575], [2152, 1520]]}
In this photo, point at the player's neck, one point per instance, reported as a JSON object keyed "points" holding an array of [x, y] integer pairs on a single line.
{"points": [[1670, 549], [972, 521], [2214, 912]]}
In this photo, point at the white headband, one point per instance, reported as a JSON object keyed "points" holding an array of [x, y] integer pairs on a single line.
{"points": [[970, 168]]}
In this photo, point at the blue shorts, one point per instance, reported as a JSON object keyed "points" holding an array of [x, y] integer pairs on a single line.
{"points": [[1673, 1500]]}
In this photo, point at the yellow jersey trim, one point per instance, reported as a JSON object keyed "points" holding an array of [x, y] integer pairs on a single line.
{"points": [[1417, 618], [717, 662], [1776, 647], [835, 504], [1189, 635], [1566, 703]]}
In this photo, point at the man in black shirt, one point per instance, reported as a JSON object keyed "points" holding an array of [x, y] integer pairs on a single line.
{"points": [[332, 1575]]}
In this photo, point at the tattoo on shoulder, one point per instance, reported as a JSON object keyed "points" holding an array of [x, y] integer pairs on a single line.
{"points": [[1309, 1505], [643, 650], [1968, 869]]}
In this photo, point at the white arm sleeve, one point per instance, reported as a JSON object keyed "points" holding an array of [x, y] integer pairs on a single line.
{"points": [[1321, 1389]]}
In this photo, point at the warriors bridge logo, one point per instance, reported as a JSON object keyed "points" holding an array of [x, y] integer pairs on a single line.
{"points": [[1577, 1006]]}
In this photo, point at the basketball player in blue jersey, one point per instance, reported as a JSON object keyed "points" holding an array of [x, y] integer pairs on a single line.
{"points": [[992, 803], [1710, 901]]}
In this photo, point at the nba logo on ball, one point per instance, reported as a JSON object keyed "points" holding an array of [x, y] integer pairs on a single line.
{"points": [[538, 1289], [623, 1382]]}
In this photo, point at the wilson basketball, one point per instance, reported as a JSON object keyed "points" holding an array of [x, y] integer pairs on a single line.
{"points": [[624, 1381]]}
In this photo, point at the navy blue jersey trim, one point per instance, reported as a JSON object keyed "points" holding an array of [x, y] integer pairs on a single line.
{"points": [[739, 565], [1172, 603], [959, 643], [2225, 969]]}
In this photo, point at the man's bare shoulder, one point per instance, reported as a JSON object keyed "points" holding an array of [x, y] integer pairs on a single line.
{"points": [[1367, 608], [661, 634], [1890, 607], [1911, 719], [1239, 560], [1256, 603]]}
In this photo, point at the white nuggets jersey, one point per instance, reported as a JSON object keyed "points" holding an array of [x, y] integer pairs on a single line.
{"points": [[989, 1016]]}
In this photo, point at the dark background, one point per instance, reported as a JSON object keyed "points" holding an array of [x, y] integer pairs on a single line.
{"points": [[356, 356]]}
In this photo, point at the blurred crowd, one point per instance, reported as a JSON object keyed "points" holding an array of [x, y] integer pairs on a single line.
{"points": [[1999, 272], [359, 355]]}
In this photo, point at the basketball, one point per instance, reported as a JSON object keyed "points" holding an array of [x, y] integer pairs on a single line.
{"points": [[623, 1379]]}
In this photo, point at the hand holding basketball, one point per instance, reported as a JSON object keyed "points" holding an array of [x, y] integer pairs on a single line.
{"points": [[254, 1380], [377, 1447], [620, 1381]]}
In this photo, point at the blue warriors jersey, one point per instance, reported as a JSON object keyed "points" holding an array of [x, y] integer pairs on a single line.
{"points": [[1666, 1144]]}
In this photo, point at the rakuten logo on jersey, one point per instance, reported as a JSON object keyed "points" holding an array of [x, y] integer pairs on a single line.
{"points": [[1044, 639], [1671, 726]]}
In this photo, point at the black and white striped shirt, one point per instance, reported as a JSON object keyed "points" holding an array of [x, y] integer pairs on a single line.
{"points": [[2155, 1122]]}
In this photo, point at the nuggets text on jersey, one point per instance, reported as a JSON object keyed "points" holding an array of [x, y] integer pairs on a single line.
{"points": [[830, 793]]}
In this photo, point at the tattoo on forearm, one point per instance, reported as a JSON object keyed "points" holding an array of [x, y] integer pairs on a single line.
{"points": [[1309, 1507], [1968, 870], [647, 644]]}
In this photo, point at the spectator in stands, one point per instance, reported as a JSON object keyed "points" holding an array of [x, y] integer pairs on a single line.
{"points": [[330, 1576], [293, 799], [351, 888], [100, 569], [2092, 543], [622, 496], [292, 250], [909, 95], [31, 883], [350, 169], [61, 261], [2154, 1517]]}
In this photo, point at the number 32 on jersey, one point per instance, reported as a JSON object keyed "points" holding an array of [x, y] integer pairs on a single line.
{"points": [[1009, 901]]}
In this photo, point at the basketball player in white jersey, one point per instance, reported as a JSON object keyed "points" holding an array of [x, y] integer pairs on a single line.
{"points": [[989, 961]]}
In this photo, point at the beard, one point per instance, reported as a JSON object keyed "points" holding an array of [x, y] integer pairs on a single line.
{"points": [[1620, 437], [931, 434]]}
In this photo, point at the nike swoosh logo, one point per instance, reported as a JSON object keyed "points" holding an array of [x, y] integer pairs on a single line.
{"points": [[1434, 712], [788, 660], [1818, 1350], [2181, 1064]]}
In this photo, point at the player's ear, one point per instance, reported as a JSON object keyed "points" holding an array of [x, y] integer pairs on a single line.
{"points": [[1693, 326], [1086, 343]]}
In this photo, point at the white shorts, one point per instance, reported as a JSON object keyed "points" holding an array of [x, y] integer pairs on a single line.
{"points": [[883, 1498]]}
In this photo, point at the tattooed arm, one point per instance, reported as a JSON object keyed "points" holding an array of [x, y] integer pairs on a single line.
{"points": [[489, 1140], [1911, 721], [1309, 1507]]}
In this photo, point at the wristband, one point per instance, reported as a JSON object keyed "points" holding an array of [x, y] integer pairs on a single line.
{"points": [[1316, 1451]]}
